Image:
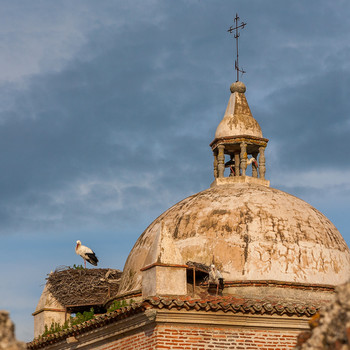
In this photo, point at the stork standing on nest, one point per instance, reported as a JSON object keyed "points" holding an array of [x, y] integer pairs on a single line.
{"points": [[86, 253]]}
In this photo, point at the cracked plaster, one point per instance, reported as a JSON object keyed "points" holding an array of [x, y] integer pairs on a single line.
{"points": [[250, 232]]}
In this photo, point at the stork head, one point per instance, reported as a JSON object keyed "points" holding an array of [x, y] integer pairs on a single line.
{"points": [[254, 161], [78, 243]]}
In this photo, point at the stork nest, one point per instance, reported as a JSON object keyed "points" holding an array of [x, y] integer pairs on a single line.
{"points": [[73, 287]]}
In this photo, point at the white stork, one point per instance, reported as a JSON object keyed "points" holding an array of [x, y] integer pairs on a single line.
{"points": [[86, 253], [215, 277], [252, 160]]}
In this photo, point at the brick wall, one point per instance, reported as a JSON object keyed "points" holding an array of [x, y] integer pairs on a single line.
{"points": [[143, 340], [203, 338]]}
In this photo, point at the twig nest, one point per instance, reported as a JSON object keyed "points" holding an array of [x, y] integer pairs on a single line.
{"points": [[238, 86]]}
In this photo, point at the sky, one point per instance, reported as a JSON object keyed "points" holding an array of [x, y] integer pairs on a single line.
{"points": [[107, 109]]}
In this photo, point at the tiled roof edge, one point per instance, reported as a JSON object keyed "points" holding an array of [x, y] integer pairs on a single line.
{"points": [[234, 305], [96, 322]]}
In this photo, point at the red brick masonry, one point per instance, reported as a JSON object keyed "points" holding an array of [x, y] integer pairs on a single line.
{"points": [[203, 338]]}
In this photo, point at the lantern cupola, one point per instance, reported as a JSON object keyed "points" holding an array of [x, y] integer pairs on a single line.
{"points": [[239, 143]]}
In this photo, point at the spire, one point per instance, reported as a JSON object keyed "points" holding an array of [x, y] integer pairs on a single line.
{"points": [[238, 119]]}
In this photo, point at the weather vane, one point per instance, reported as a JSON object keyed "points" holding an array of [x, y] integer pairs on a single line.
{"points": [[235, 28]]}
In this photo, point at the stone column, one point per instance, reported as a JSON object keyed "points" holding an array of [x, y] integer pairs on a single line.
{"points": [[237, 168], [254, 168], [221, 160], [262, 168], [243, 157], [215, 154]]}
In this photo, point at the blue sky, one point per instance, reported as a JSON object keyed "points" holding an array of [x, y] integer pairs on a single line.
{"points": [[107, 109]]}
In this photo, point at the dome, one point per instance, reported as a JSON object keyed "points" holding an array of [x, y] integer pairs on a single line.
{"points": [[251, 232], [238, 119]]}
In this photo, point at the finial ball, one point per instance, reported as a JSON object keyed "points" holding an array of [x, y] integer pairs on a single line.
{"points": [[238, 86]]}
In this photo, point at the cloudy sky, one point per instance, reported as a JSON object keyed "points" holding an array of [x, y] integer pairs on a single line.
{"points": [[107, 109]]}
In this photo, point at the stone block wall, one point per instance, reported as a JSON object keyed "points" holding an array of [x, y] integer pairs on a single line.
{"points": [[203, 338]]}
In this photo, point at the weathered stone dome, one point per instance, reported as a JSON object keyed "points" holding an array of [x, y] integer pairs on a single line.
{"points": [[251, 232]]}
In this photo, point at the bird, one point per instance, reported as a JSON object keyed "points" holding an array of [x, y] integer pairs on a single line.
{"points": [[252, 160], [86, 253], [215, 277], [230, 164]]}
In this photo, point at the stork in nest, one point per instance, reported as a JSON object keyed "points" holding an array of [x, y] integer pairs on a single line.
{"points": [[86, 253]]}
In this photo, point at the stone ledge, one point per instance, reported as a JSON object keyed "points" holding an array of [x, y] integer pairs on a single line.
{"points": [[220, 181]]}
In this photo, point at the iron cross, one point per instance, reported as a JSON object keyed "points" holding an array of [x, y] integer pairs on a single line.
{"points": [[235, 27]]}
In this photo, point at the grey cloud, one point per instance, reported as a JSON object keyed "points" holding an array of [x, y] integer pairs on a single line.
{"points": [[147, 103], [310, 122]]}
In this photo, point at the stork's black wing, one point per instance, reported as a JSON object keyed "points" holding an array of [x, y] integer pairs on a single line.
{"points": [[92, 258]]}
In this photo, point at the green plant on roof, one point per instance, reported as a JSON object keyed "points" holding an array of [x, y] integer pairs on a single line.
{"points": [[54, 328], [82, 317], [118, 304]]}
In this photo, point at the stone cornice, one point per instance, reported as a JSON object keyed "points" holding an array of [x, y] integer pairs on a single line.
{"points": [[48, 309], [220, 318], [239, 138], [161, 264], [281, 284]]}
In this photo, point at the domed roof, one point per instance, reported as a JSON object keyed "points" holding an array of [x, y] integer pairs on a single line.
{"points": [[238, 119], [251, 232]]}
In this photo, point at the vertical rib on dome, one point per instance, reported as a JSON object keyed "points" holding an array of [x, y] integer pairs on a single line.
{"points": [[163, 249]]}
